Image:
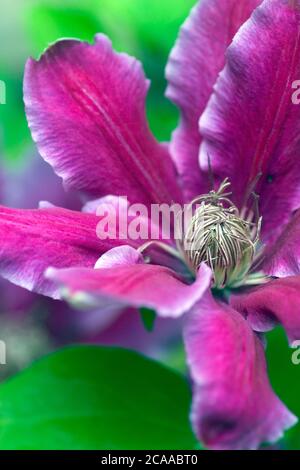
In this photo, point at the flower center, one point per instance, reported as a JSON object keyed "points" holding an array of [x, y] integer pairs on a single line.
{"points": [[218, 235]]}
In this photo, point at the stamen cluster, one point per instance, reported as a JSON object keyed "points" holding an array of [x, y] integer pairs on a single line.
{"points": [[220, 237]]}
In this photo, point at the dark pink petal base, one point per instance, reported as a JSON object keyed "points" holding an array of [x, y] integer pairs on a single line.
{"points": [[234, 406]]}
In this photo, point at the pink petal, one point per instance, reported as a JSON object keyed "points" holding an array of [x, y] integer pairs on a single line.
{"points": [[234, 406], [132, 283], [31, 240], [251, 125], [282, 259], [192, 70], [147, 227], [120, 203], [85, 106], [276, 301], [118, 257]]}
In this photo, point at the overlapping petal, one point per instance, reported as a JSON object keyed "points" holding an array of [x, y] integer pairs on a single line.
{"points": [[251, 125], [123, 278], [192, 70], [85, 106], [282, 259], [234, 406], [32, 240], [276, 301], [138, 227]]}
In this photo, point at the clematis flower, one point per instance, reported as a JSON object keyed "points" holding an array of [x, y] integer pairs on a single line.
{"points": [[232, 70], [24, 187]]}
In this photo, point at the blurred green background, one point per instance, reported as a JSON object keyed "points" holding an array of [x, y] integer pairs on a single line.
{"points": [[146, 29]]}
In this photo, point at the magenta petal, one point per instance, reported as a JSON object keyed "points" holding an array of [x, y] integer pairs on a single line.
{"points": [[282, 259], [32, 240], [85, 106], [120, 204], [131, 283], [234, 406], [192, 70], [276, 301], [119, 256], [251, 125]]}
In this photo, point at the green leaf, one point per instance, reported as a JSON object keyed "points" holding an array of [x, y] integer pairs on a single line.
{"points": [[89, 397], [148, 318], [285, 378]]}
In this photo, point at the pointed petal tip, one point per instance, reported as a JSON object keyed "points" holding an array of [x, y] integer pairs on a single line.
{"points": [[50, 272], [88, 138], [276, 302], [234, 406], [45, 205]]}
